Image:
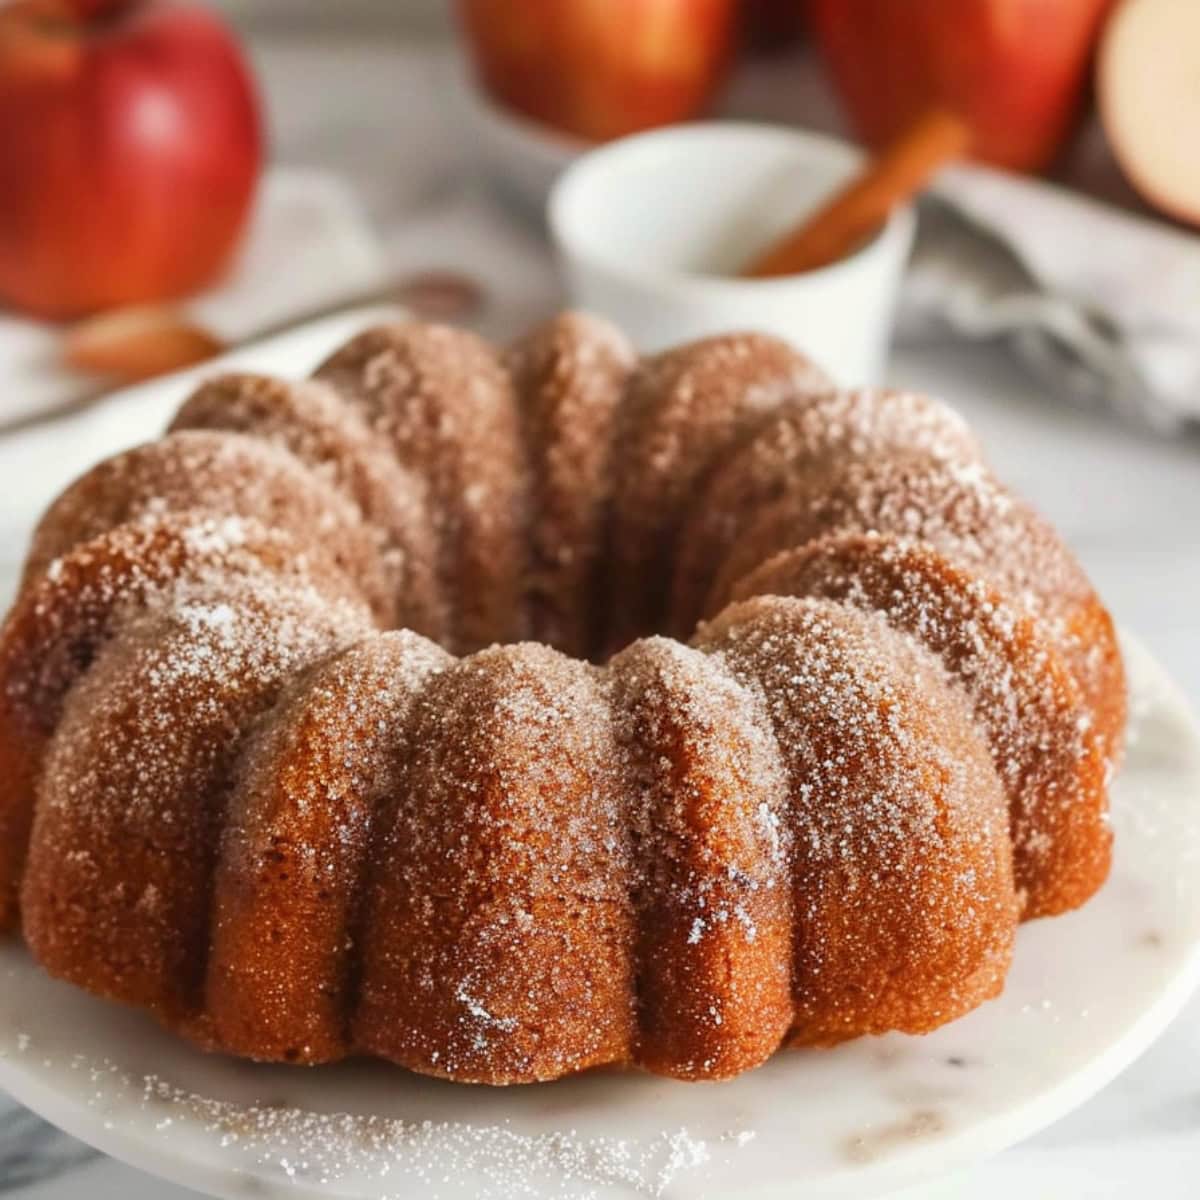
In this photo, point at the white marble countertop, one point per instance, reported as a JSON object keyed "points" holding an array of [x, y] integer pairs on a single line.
{"points": [[1129, 505]]}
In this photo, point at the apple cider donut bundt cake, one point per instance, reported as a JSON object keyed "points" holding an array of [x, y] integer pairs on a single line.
{"points": [[504, 713]]}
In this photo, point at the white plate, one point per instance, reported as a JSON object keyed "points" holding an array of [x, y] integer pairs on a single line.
{"points": [[1088, 993]]}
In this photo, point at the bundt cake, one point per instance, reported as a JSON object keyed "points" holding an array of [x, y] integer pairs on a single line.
{"points": [[506, 713]]}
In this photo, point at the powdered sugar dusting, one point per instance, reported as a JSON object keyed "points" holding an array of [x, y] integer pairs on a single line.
{"points": [[1022, 693], [901, 864], [805, 435], [309, 420], [277, 1142], [61, 622], [503, 1162], [684, 411]]}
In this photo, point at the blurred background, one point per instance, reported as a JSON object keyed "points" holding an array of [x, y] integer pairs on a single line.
{"points": [[411, 112], [286, 157]]}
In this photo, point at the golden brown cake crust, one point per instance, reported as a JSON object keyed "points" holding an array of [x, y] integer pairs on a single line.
{"points": [[282, 972], [66, 615], [225, 474], [443, 402], [115, 893], [707, 799], [311, 421], [498, 924], [901, 864], [1024, 697], [684, 411], [240, 790], [570, 376]]}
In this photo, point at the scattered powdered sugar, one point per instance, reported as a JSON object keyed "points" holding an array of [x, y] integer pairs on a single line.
{"points": [[63, 620], [217, 536], [279, 1142], [477, 1011], [495, 1162]]}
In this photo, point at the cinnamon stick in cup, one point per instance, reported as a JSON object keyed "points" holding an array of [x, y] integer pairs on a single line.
{"points": [[852, 215]]}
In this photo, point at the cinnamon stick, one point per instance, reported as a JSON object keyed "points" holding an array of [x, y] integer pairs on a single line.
{"points": [[856, 212], [131, 344]]}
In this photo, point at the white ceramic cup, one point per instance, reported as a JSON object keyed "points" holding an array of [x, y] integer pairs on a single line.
{"points": [[651, 231]]}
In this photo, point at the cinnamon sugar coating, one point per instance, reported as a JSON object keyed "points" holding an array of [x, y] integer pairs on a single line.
{"points": [[570, 374], [498, 925], [275, 767], [224, 474], [1023, 696], [293, 852], [62, 620], [684, 411], [314, 424], [801, 437], [710, 865], [443, 403], [961, 509], [131, 801], [901, 867]]}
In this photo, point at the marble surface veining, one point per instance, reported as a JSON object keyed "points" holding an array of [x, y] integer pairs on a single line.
{"points": [[1129, 506]]}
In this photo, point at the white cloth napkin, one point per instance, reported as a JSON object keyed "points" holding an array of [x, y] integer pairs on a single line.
{"points": [[308, 242], [1102, 304]]}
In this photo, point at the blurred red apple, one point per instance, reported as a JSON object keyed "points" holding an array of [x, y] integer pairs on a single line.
{"points": [[599, 69], [1014, 70], [1149, 85], [772, 25], [129, 150]]}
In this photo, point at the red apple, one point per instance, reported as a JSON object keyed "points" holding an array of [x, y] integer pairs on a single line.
{"points": [[599, 69], [772, 25], [130, 146], [1149, 85], [1014, 70]]}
